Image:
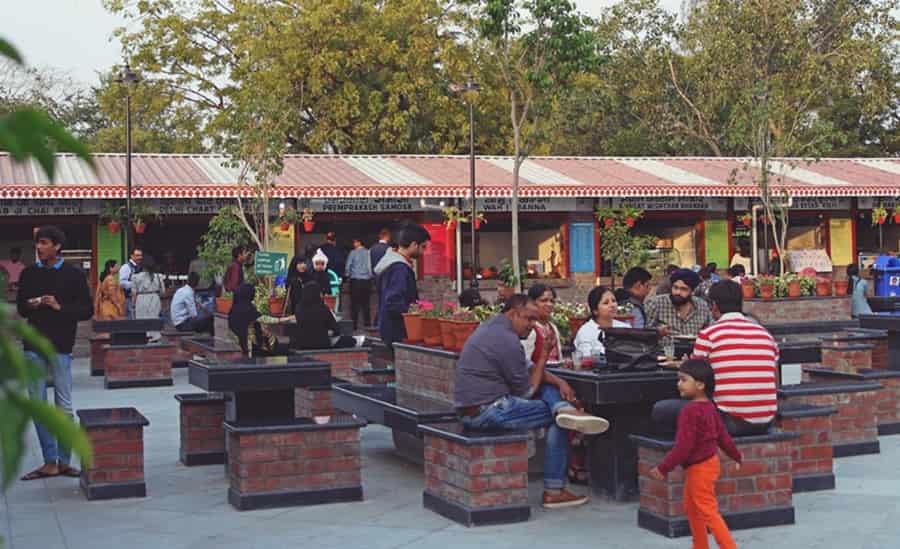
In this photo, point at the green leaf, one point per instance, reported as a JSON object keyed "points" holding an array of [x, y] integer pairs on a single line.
{"points": [[9, 51], [12, 430], [68, 433], [29, 132], [36, 340]]}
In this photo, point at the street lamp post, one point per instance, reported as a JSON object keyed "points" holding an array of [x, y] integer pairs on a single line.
{"points": [[129, 78], [471, 86]]}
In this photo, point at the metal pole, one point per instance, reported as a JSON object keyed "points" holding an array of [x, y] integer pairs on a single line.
{"points": [[458, 234], [472, 192], [128, 238]]}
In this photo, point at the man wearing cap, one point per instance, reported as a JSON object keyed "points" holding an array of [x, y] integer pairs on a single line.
{"points": [[679, 312]]}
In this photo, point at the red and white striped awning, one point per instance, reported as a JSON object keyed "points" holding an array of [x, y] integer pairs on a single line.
{"points": [[331, 176]]}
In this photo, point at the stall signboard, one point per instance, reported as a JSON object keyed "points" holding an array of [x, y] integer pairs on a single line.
{"points": [[208, 206], [60, 206], [670, 203], [581, 248], [533, 204], [346, 205], [869, 202], [438, 256], [802, 203], [270, 263]]}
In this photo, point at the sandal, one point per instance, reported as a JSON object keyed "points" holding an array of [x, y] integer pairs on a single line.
{"points": [[70, 471], [38, 474]]}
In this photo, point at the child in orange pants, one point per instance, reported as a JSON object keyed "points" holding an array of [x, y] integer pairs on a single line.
{"points": [[701, 432]]}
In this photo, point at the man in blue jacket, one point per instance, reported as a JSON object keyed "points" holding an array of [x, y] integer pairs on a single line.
{"points": [[397, 281]]}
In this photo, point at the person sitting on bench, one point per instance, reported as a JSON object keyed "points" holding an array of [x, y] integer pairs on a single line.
{"points": [[183, 308], [498, 388], [253, 337], [314, 322]]}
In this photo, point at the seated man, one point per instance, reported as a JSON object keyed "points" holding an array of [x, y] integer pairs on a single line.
{"points": [[184, 309], [678, 312], [496, 390], [744, 358]]}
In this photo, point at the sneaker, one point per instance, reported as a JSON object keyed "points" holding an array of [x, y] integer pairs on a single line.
{"points": [[563, 499], [576, 420]]}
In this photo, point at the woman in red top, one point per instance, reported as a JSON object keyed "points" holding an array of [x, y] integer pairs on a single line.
{"points": [[544, 330], [701, 432]]}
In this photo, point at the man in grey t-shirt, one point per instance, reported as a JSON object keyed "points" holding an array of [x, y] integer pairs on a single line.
{"points": [[498, 388]]}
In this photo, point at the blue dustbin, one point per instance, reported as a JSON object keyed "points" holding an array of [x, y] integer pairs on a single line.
{"points": [[886, 271]]}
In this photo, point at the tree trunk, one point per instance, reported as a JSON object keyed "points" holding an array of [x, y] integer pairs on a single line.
{"points": [[514, 210]]}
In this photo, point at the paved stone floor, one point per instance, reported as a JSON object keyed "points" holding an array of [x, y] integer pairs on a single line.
{"points": [[186, 508]]}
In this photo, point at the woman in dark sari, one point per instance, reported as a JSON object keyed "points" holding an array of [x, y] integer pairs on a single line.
{"points": [[253, 338], [314, 322]]}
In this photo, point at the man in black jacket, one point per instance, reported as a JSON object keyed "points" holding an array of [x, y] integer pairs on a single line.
{"points": [[53, 297]]}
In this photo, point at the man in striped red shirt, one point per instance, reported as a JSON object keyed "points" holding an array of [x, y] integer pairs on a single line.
{"points": [[744, 357]]}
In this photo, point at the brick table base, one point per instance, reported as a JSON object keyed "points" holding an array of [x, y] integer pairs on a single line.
{"points": [[311, 402], [98, 353], [138, 365], [342, 361], [301, 463], [474, 478], [201, 416], [117, 438], [812, 457], [757, 495]]}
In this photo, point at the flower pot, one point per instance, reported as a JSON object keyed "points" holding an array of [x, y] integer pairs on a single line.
{"points": [[505, 292], [276, 306], [448, 339], [767, 291], [139, 228], [823, 288], [431, 331], [575, 324], [463, 329], [413, 324], [285, 226], [477, 224], [747, 222], [308, 226], [467, 273], [793, 288], [451, 225], [748, 290], [841, 287], [487, 274], [629, 221], [330, 301], [880, 220], [897, 218], [223, 305], [609, 222], [113, 226]]}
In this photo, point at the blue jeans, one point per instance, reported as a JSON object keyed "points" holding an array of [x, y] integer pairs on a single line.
{"points": [[62, 395], [515, 413]]}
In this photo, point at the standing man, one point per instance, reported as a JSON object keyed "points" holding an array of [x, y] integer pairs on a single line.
{"points": [[359, 271], [744, 358], [13, 267], [397, 281], [637, 285], [234, 275], [680, 312], [380, 247], [336, 258], [53, 297], [183, 309], [129, 269]]}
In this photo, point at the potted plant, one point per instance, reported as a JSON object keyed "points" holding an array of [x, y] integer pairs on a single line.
{"points": [[412, 320], [746, 219], [452, 216], [276, 301], [465, 322], [111, 215], [479, 220], [569, 317], [841, 286], [287, 217], [823, 287], [748, 288], [488, 273], [792, 281], [431, 326], [307, 217], [897, 213], [766, 285], [224, 303], [509, 283], [879, 215], [141, 214], [445, 321]]}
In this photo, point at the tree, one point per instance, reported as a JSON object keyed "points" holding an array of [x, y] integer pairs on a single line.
{"points": [[618, 245], [537, 45], [25, 133]]}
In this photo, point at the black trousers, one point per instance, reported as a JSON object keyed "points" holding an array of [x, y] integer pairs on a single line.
{"points": [[360, 295], [665, 416]]}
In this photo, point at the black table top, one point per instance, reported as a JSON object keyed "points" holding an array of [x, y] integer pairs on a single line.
{"points": [[612, 387], [258, 374], [111, 417], [128, 326]]}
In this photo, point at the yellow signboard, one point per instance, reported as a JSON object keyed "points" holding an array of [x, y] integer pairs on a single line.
{"points": [[282, 240], [841, 230]]}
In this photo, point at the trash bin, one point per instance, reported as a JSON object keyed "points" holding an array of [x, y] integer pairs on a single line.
{"points": [[886, 271]]}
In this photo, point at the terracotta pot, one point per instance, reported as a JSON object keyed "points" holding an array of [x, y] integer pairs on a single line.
{"points": [[841, 287], [276, 306], [575, 324], [467, 273], [477, 224], [113, 226], [748, 290], [431, 331], [793, 288], [487, 274], [223, 305], [448, 339], [285, 226], [451, 225], [505, 292], [767, 291], [628, 319], [330, 301], [897, 218], [880, 220], [747, 222], [413, 324], [308, 226], [139, 228], [462, 331], [823, 289]]}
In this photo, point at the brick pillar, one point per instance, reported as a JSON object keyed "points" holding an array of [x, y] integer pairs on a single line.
{"points": [[430, 373], [98, 353], [374, 376], [888, 407], [202, 436], [117, 438], [311, 402], [847, 358], [181, 357], [138, 365], [759, 494], [297, 464], [812, 455], [476, 480], [342, 361], [854, 426]]}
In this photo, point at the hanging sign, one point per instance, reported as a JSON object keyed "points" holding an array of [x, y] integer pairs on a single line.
{"points": [[533, 204], [270, 263], [802, 203], [648, 203], [341, 205], [581, 247], [60, 206], [438, 255]]}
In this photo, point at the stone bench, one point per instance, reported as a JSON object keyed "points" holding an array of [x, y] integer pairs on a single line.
{"points": [[476, 478], [812, 456], [887, 405], [98, 353], [182, 356], [297, 463], [117, 438], [217, 348], [366, 375], [202, 440], [147, 365], [757, 495], [854, 428], [342, 360]]}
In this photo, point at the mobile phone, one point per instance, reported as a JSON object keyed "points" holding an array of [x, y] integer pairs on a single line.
{"points": [[34, 301]]}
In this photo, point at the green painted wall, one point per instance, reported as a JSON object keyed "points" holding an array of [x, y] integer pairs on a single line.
{"points": [[109, 246], [717, 242]]}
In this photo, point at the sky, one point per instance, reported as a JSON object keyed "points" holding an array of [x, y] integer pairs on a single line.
{"points": [[77, 35]]}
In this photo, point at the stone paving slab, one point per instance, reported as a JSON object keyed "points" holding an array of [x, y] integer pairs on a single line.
{"points": [[186, 507]]}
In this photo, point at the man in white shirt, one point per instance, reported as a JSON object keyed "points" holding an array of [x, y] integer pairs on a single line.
{"points": [[183, 309], [129, 269]]}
